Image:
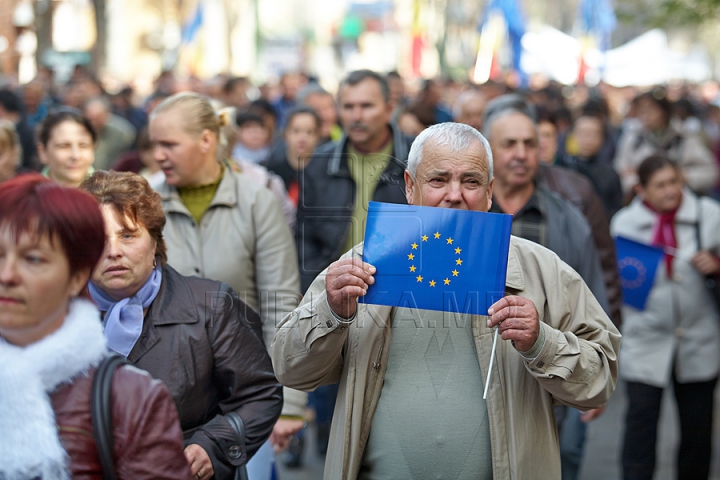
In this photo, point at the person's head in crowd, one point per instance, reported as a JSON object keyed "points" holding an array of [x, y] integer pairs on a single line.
{"points": [[290, 85], [365, 109], [80, 91], [252, 132], [145, 151], [66, 146], [320, 100], [134, 221], [469, 108], [154, 100], [397, 87], [450, 165], [33, 94], [683, 108], [235, 92], [302, 134], [654, 110], [54, 237], [547, 136], [123, 100], [563, 120], [9, 150], [510, 128], [11, 107], [589, 133], [166, 82], [409, 124], [264, 109], [597, 106], [659, 183], [215, 86], [185, 131], [430, 93], [415, 118], [98, 111]]}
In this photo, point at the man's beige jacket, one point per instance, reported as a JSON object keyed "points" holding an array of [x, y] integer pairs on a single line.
{"points": [[577, 365]]}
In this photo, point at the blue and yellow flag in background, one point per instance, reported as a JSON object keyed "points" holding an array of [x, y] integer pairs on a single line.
{"points": [[436, 258], [637, 264]]}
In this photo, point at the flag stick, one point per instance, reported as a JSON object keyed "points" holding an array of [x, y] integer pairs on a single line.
{"points": [[492, 357]]}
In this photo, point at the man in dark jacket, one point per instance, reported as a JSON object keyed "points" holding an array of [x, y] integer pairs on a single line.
{"points": [[367, 163]]}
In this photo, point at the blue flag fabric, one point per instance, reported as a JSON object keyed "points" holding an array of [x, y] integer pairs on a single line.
{"points": [[637, 264], [436, 258]]}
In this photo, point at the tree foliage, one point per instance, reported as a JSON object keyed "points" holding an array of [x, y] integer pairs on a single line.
{"points": [[686, 12]]}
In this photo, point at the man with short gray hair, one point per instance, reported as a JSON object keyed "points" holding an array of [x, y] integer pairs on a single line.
{"points": [[410, 402]]}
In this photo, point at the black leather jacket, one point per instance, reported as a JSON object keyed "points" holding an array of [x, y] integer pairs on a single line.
{"points": [[327, 199], [206, 346]]}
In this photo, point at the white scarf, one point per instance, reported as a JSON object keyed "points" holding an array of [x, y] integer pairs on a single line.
{"points": [[29, 443]]}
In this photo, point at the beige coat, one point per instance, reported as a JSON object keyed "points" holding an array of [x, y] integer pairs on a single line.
{"points": [[577, 366], [243, 240], [678, 331]]}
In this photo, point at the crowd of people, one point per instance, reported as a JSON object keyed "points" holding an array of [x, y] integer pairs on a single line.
{"points": [[211, 234]]}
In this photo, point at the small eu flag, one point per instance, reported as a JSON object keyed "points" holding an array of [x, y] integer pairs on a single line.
{"points": [[436, 258], [637, 264]]}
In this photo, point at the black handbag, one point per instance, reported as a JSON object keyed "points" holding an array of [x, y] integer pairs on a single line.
{"points": [[712, 282], [101, 413]]}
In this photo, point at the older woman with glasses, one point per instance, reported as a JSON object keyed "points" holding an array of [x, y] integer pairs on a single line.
{"points": [[193, 334]]}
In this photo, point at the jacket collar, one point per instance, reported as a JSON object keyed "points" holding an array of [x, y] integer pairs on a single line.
{"points": [[226, 194], [338, 164], [173, 305]]}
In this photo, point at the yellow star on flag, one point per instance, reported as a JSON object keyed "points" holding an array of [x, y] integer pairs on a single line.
{"points": [[432, 283], [411, 256], [419, 278], [447, 281], [458, 250], [414, 246], [412, 268], [437, 234], [458, 261], [455, 273], [449, 240], [424, 238]]}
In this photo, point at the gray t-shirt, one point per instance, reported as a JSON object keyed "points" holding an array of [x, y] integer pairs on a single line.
{"points": [[431, 421]]}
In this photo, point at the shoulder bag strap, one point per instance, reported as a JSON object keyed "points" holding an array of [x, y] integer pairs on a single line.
{"points": [[101, 413], [237, 424]]}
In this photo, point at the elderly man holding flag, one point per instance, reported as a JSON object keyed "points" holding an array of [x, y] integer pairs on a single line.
{"points": [[411, 401]]}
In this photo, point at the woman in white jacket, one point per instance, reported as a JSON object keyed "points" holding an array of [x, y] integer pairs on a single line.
{"points": [[675, 340]]}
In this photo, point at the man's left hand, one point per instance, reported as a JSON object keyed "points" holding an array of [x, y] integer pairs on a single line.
{"points": [[517, 320], [283, 431]]}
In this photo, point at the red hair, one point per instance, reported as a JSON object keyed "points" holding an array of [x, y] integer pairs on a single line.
{"points": [[32, 204]]}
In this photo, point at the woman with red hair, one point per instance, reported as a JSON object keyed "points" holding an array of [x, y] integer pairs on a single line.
{"points": [[51, 341]]}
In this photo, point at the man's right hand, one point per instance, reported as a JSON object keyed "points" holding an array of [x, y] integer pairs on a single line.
{"points": [[346, 280]]}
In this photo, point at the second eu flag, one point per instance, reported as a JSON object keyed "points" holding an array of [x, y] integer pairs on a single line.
{"points": [[436, 258], [637, 264]]}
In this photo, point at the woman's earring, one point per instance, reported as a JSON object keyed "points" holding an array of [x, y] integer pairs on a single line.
{"points": [[154, 262]]}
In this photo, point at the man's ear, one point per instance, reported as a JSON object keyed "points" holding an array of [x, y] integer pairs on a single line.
{"points": [[410, 188]]}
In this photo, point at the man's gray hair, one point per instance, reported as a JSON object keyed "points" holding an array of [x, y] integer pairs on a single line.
{"points": [[503, 106], [457, 136]]}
